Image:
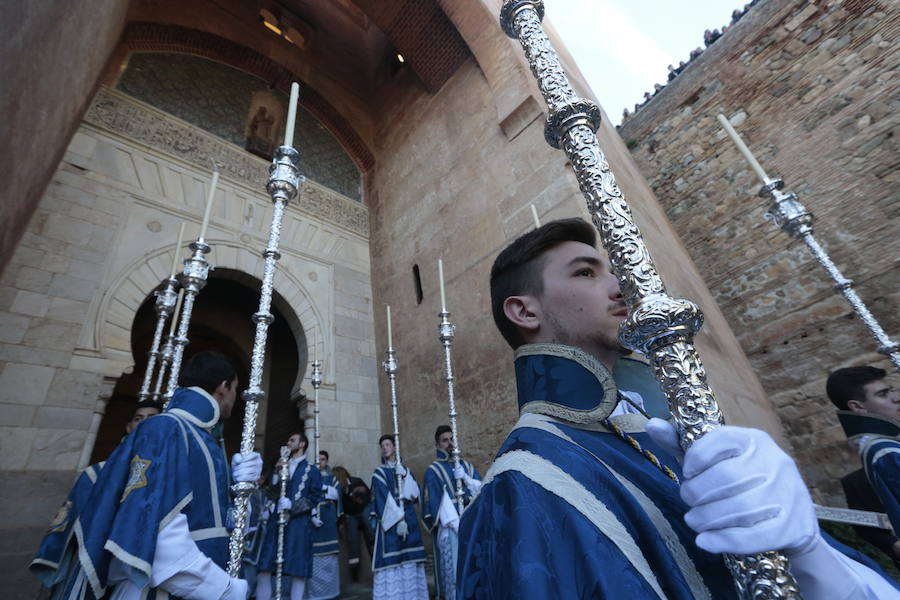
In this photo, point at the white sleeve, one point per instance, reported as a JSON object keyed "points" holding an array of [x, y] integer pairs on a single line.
{"points": [[182, 570], [826, 574], [629, 406]]}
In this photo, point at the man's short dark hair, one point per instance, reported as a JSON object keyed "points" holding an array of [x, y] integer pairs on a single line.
{"points": [[518, 269], [441, 430], [847, 384], [147, 404], [325, 454], [207, 370], [387, 436]]}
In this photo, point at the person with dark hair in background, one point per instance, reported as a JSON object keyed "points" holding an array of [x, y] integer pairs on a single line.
{"points": [[582, 504], [304, 490], [398, 562], [440, 509], [325, 582], [355, 498], [169, 478], [869, 411]]}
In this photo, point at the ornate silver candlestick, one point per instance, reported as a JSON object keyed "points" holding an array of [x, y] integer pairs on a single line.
{"points": [[390, 368], [193, 279], [659, 326], [165, 306], [446, 331], [285, 474], [284, 179], [316, 380]]}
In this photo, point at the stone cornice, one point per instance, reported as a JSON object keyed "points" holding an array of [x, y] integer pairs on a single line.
{"points": [[121, 114]]}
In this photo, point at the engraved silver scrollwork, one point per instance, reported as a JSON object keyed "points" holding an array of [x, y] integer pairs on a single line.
{"points": [[446, 331], [659, 326], [284, 474], [390, 369], [165, 306], [791, 215], [284, 181], [193, 279]]}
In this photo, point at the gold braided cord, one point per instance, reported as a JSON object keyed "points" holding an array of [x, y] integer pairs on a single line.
{"points": [[646, 453]]}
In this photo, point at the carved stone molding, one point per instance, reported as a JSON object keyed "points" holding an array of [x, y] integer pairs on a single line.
{"points": [[118, 113]]}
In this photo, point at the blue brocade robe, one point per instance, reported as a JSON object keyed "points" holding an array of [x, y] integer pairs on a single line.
{"points": [[878, 441], [439, 479], [305, 490], [168, 464], [390, 549], [325, 538]]}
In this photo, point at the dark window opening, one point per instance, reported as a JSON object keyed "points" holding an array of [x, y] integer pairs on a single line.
{"points": [[417, 279]]}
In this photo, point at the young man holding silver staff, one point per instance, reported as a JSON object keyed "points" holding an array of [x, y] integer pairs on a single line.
{"points": [[580, 505]]}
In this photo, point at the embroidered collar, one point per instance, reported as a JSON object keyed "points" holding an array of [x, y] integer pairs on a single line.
{"points": [[195, 405], [857, 425], [442, 455], [563, 382]]}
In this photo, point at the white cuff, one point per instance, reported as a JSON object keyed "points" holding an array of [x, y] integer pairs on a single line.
{"points": [[823, 573]]}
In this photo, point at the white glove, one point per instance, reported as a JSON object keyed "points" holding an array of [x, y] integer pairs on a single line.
{"points": [[237, 590], [402, 528], [664, 433], [246, 467], [746, 495], [410, 489], [317, 522], [264, 516], [331, 492], [401, 470], [284, 504], [459, 472]]}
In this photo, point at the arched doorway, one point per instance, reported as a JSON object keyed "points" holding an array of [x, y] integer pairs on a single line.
{"points": [[221, 322]]}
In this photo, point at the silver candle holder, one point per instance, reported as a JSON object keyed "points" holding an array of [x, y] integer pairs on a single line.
{"points": [[165, 307], [390, 369], [659, 326], [284, 181], [446, 332], [316, 380], [284, 473]]}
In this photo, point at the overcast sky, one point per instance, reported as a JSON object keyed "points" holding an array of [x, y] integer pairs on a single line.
{"points": [[624, 46]]}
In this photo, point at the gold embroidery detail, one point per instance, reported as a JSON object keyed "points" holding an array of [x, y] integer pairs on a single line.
{"points": [[137, 476]]}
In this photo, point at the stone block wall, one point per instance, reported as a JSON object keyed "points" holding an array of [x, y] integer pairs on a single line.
{"points": [[812, 88]]}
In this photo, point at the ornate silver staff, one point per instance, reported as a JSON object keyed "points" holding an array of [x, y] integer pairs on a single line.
{"points": [[792, 216], [659, 326], [316, 380], [165, 305], [390, 368], [284, 179], [285, 474], [446, 331], [193, 279], [168, 349]]}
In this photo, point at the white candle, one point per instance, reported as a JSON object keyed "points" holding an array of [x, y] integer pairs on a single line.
{"points": [[390, 337], [754, 164], [209, 203], [292, 115], [441, 280], [176, 312], [534, 215], [315, 344], [177, 251]]}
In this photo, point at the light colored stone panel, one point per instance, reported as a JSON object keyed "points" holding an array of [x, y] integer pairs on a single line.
{"points": [[16, 415], [70, 311], [15, 445], [58, 417], [13, 327], [67, 229], [45, 333], [31, 304], [55, 449], [25, 384], [73, 288], [74, 389]]}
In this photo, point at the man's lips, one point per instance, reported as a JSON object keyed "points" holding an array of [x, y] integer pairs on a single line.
{"points": [[621, 312]]}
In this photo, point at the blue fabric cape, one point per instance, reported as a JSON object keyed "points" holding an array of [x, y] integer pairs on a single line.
{"points": [[390, 549]]}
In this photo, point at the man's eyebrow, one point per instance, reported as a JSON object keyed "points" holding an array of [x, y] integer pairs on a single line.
{"points": [[586, 259]]}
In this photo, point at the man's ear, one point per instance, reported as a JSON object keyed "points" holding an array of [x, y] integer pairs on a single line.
{"points": [[220, 389], [524, 312], [856, 406]]}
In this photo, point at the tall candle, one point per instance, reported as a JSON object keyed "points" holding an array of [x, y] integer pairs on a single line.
{"points": [[176, 312], [209, 203], [315, 344], [292, 115], [177, 251], [390, 337], [534, 215], [441, 280], [754, 164]]}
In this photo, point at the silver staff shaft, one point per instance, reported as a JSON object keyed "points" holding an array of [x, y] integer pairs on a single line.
{"points": [[791, 215], [390, 367], [284, 474], [284, 180], [659, 326], [165, 306], [165, 360], [446, 331], [316, 380], [854, 517], [196, 272]]}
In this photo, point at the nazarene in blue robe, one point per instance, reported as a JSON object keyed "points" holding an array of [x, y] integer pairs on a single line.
{"points": [[439, 479], [170, 464], [304, 490], [878, 441], [325, 538], [390, 549]]}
